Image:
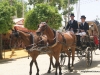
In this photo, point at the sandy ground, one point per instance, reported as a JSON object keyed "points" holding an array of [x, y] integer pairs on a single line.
{"points": [[21, 66]]}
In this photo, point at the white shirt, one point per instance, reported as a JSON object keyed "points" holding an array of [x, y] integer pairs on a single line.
{"points": [[72, 21], [83, 23]]}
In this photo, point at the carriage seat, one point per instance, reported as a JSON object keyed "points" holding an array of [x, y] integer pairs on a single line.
{"points": [[91, 37]]}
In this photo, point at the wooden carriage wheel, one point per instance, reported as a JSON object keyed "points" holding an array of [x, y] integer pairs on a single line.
{"points": [[62, 59], [88, 56]]}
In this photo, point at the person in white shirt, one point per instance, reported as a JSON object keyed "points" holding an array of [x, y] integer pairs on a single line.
{"points": [[83, 26]]}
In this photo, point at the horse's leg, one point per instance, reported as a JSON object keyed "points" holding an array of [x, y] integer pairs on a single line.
{"points": [[37, 68], [34, 55], [31, 63], [13, 51], [49, 70], [60, 73], [57, 64], [68, 53], [73, 53], [68, 62], [53, 65]]}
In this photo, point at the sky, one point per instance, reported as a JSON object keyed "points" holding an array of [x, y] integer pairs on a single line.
{"points": [[89, 8]]}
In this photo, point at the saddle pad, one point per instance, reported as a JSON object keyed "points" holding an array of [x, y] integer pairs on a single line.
{"points": [[68, 33]]}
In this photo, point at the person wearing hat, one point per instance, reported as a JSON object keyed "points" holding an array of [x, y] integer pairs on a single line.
{"points": [[72, 24], [83, 26]]}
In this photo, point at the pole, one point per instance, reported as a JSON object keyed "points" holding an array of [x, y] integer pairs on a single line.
{"points": [[23, 9], [1, 46], [79, 12], [68, 9]]}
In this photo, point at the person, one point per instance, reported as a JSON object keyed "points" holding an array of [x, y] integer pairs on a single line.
{"points": [[82, 32], [83, 26], [72, 24]]}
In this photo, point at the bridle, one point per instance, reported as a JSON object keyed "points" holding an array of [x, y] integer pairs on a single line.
{"points": [[45, 28]]}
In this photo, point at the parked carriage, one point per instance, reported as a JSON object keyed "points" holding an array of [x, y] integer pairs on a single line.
{"points": [[88, 44]]}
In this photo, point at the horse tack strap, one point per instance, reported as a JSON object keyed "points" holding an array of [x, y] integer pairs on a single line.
{"points": [[31, 38], [64, 40], [53, 45], [56, 40]]}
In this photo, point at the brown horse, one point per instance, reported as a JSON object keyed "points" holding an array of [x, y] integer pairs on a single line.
{"points": [[29, 39], [59, 42]]}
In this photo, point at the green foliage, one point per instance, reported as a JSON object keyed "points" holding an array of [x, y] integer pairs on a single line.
{"points": [[6, 13], [19, 9], [60, 4], [43, 13], [18, 6]]}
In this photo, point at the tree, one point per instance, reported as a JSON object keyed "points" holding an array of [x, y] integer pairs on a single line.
{"points": [[64, 5], [6, 22], [43, 13], [21, 8], [60, 3], [18, 6]]}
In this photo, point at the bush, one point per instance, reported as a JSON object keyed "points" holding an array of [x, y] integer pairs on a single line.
{"points": [[43, 13]]}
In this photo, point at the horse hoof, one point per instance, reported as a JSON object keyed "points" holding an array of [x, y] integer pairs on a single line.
{"points": [[37, 73], [49, 71], [68, 68], [56, 73], [60, 73], [54, 66], [71, 70], [30, 73]]}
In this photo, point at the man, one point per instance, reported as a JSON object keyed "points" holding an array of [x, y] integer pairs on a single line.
{"points": [[72, 24], [83, 26]]}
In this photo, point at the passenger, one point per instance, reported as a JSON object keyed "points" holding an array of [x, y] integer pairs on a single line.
{"points": [[83, 26], [82, 30]]}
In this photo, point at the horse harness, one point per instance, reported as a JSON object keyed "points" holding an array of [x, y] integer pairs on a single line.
{"points": [[35, 46], [64, 42]]}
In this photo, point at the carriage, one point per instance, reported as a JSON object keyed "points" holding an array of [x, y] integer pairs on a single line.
{"points": [[89, 44], [53, 47]]}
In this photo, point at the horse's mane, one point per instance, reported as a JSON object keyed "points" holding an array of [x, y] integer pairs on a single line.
{"points": [[28, 33], [54, 31]]}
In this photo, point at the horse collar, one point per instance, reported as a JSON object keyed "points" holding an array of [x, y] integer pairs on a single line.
{"points": [[55, 39]]}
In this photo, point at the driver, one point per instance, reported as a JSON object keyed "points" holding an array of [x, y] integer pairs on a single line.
{"points": [[72, 24]]}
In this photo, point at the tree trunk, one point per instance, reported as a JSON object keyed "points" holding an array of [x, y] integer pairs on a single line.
{"points": [[1, 46]]}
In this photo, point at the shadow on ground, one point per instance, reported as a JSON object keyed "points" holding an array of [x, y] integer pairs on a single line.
{"points": [[4, 61], [81, 65]]}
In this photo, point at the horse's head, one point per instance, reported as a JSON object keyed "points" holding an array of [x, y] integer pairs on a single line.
{"points": [[41, 28], [93, 27], [15, 33]]}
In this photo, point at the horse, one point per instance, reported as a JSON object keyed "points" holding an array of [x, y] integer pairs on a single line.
{"points": [[58, 42], [15, 43], [94, 32], [30, 39], [98, 26]]}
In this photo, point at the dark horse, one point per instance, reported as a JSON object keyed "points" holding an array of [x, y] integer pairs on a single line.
{"points": [[59, 42], [29, 40]]}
